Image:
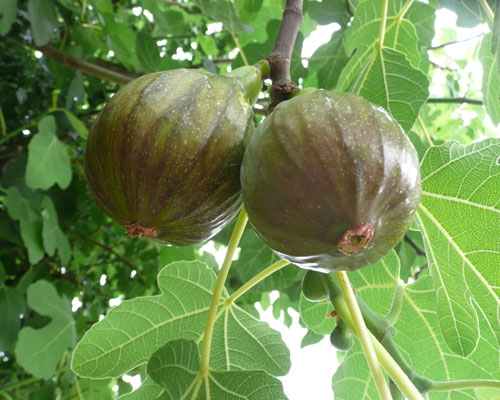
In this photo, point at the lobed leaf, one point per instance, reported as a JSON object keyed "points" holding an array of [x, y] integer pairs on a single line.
{"points": [[39, 351], [134, 330], [459, 217], [176, 367]]}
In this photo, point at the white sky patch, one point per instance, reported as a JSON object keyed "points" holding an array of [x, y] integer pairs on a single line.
{"points": [[212, 28], [38, 54], [162, 42], [134, 380], [137, 11], [103, 279], [149, 16], [76, 304], [318, 37], [116, 301], [111, 53], [26, 132], [182, 55]]}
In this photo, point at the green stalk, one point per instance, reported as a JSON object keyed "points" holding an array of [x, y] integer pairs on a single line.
{"points": [[404, 9], [426, 132], [487, 10], [219, 286], [465, 384], [255, 280], [397, 303], [359, 327], [392, 367]]}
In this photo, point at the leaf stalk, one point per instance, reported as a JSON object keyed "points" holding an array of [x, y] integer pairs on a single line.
{"points": [[359, 327]]}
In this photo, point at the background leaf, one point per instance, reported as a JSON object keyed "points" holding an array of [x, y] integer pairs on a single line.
{"points": [[43, 17], [48, 160], [39, 350], [53, 237]]}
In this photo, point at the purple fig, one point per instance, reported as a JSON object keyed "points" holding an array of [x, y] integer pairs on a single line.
{"points": [[164, 156], [330, 181]]}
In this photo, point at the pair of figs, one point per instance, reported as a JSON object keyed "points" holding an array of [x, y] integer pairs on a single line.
{"points": [[329, 181]]}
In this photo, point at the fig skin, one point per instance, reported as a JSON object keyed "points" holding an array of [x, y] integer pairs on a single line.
{"points": [[330, 181], [164, 156]]}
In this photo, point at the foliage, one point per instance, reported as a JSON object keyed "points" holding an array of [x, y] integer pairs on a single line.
{"points": [[64, 265]]}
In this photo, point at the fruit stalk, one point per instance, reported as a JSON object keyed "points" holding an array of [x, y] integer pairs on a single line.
{"points": [[363, 334], [219, 286], [393, 368]]}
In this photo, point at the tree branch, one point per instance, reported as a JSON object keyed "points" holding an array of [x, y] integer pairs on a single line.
{"points": [[279, 59], [440, 46], [455, 100], [417, 249], [86, 67]]}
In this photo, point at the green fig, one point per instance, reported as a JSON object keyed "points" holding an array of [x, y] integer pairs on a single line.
{"points": [[341, 337], [330, 181], [313, 287], [163, 157]]}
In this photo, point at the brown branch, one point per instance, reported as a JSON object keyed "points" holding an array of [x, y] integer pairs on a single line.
{"points": [[86, 67], [112, 251], [417, 249], [467, 100], [279, 59]]}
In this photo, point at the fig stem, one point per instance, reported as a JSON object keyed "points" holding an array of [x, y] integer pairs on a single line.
{"points": [[255, 280], [397, 303], [392, 367], [219, 286], [363, 334]]}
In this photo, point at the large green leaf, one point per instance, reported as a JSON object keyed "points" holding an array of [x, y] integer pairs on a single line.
{"points": [[39, 351], [459, 217], [491, 79], [48, 160], [139, 327], [176, 367], [386, 75]]}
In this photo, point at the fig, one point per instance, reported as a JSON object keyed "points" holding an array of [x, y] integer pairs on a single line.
{"points": [[313, 288], [341, 337], [330, 181], [163, 157]]}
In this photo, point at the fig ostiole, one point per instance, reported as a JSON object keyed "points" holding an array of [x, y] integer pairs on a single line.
{"points": [[163, 157], [330, 181]]}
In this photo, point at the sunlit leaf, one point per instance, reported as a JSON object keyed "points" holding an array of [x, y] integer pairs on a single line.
{"points": [[176, 367], [459, 217]]}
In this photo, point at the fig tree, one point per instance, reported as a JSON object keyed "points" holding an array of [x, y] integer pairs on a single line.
{"points": [[164, 156], [330, 181]]}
